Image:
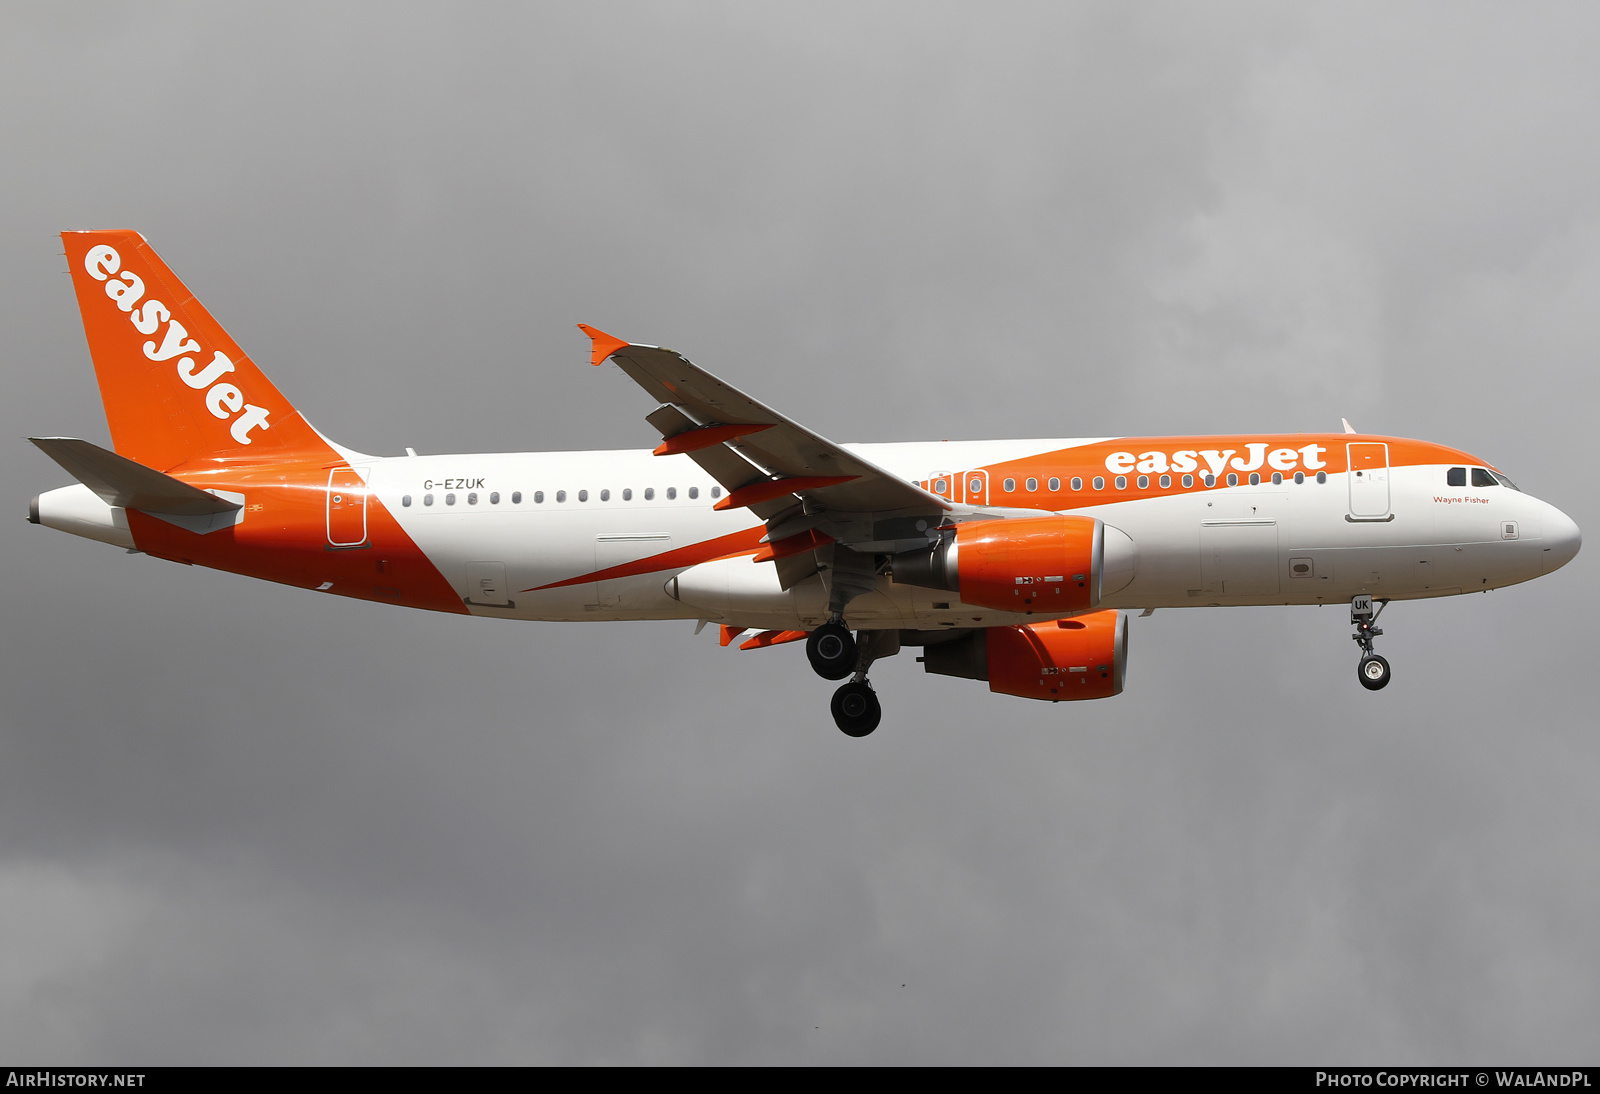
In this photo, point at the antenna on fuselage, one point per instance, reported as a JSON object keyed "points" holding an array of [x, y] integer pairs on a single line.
{"points": [[1348, 428]]}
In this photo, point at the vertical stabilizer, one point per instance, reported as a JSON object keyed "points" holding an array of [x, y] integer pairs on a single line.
{"points": [[177, 390]]}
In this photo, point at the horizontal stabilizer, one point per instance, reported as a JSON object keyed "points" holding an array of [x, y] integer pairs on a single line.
{"points": [[121, 482]]}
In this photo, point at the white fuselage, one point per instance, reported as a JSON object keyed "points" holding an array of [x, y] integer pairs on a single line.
{"points": [[1268, 544]]}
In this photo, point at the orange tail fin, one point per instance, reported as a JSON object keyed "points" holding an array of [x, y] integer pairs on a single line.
{"points": [[176, 388]]}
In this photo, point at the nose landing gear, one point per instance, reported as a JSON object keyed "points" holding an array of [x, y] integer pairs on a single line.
{"points": [[1372, 671]]}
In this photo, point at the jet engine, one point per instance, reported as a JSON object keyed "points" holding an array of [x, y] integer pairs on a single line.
{"points": [[1046, 565], [1081, 658]]}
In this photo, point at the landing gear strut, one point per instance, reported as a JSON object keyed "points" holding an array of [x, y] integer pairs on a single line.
{"points": [[855, 706], [1373, 671]]}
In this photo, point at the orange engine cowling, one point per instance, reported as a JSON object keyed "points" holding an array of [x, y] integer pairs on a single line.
{"points": [[1033, 564], [1081, 658]]}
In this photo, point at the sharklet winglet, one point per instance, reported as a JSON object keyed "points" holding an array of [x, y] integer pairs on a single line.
{"points": [[604, 344]]}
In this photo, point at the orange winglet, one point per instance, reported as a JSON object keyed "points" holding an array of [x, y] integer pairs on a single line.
{"points": [[604, 344], [730, 633], [772, 638], [758, 492], [693, 440], [809, 540]]}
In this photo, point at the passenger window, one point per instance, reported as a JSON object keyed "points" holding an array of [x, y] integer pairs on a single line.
{"points": [[672, 493], [694, 492], [1299, 477], [1009, 485], [1122, 482], [1166, 481], [427, 499], [1480, 477], [1054, 484], [494, 498], [561, 495], [406, 501], [627, 493], [716, 491], [649, 493], [1255, 478], [1099, 482], [1456, 476], [1077, 483], [1322, 476], [939, 486], [1233, 480], [1188, 481], [605, 495], [472, 498], [1210, 479], [1277, 478], [449, 499], [1031, 484], [583, 495], [1144, 482]]}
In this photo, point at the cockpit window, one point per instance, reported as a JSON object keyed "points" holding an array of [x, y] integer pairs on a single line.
{"points": [[1506, 482], [1456, 476], [1481, 477]]}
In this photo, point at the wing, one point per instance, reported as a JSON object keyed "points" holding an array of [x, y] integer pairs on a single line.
{"points": [[764, 460]]}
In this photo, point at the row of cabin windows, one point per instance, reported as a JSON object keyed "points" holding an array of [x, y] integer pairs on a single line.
{"points": [[561, 496], [1121, 482], [1481, 476]]}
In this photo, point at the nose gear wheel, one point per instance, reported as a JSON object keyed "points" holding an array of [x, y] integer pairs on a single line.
{"points": [[1373, 672]]}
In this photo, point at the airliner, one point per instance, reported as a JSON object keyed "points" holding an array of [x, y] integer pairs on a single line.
{"points": [[1007, 561]]}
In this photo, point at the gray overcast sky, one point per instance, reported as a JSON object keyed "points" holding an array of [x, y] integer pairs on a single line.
{"points": [[242, 823]]}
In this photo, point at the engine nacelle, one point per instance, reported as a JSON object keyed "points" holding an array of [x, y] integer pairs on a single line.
{"points": [[1048, 565], [1081, 658]]}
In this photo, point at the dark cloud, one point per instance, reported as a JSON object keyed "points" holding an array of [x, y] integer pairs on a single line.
{"points": [[248, 824]]}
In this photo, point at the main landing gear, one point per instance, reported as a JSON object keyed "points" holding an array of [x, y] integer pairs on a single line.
{"points": [[831, 650], [856, 710], [834, 654], [1373, 671]]}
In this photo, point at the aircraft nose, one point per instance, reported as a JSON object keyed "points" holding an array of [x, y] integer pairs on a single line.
{"points": [[1561, 540]]}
